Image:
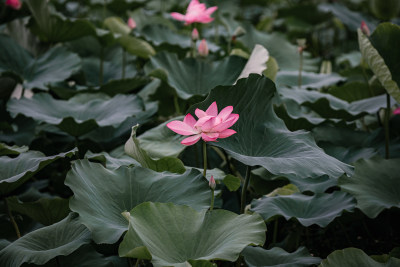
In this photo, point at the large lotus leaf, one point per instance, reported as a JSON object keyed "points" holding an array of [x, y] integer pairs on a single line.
{"points": [[349, 18], [134, 149], [308, 79], [172, 235], [78, 115], [45, 210], [12, 150], [354, 257], [110, 161], [329, 106], [52, 27], [320, 209], [57, 64], [388, 75], [161, 34], [281, 151], [353, 91], [106, 193], [191, 76], [348, 154], [44, 244], [277, 257], [257, 62], [144, 17], [285, 53], [375, 184], [161, 142], [16, 171]]}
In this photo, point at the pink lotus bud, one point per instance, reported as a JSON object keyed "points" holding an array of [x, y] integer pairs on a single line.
{"points": [[15, 4], [195, 34], [203, 48], [131, 23], [365, 29], [212, 183], [396, 111]]}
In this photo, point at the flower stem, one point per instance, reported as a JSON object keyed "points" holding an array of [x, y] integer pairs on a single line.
{"points": [[14, 223], [101, 66], [204, 159], [387, 115], [244, 189], [212, 199], [299, 81]]}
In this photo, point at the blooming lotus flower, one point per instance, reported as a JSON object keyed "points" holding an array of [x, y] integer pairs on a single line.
{"points": [[196, 12], [203, 48], [210, 126], [15, 4], [396, 111], [131, 23]]}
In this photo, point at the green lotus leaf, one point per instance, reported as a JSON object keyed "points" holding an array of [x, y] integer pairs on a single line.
{"points": [[44, 244], [144, 18], [382, 61], [190, 77], [12, 150], [320, 209], [171, 235], [329, 106], [352, 257], [161, 142], [16, 171], [283, 152], [277, 257], [78, 115], [37, 72], [106, 193], [308, 79], [45, 210], [111, 161], [52, 27], [375, 185], [133, 149], [163, 35], [354, 91], [257, 62], [348, 154], [285, 53]]}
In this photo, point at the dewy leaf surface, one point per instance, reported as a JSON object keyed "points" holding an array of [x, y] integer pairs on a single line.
{"points": [[277, 257], [320, 209], [173, 234], [192, 77], [262, 138], [44, 244], [375, 184], [354, 257], [15, 171], [78, 115], [101, 195]]}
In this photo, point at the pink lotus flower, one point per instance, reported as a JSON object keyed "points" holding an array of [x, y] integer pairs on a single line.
{"points": [[396, 111], [203, 48], [131, 23], [196, 12], [15, 4], [210, 126]]}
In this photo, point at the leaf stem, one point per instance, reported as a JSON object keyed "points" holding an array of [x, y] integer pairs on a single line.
{"points": [[300, 69], [14, 223], [204, 158], [387, 115], [275, 231], [101, 66], [244, 189], [212, 199], [123, 62], [176, 104]]}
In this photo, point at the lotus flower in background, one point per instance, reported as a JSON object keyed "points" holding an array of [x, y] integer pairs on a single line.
{"points": [[195, 34], [15, 4], [396, 111], [131, 23], [203, 48], [210, 126], [196, 12]]}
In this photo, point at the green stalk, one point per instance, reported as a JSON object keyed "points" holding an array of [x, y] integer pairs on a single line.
{"points": [[204, 159], [13, 222], [387, 115], [176, 104], [101, 66], [123, 62], [275, 231], [300, 69], [244, 189], [212, 199]]}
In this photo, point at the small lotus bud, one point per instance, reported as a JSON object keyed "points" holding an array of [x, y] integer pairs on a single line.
{"points": [[396, 111], [131, 23], [14, 4], [203, 48], [364, 28], [301, 44], [212, 183], [195, 34], [239, 32]]}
